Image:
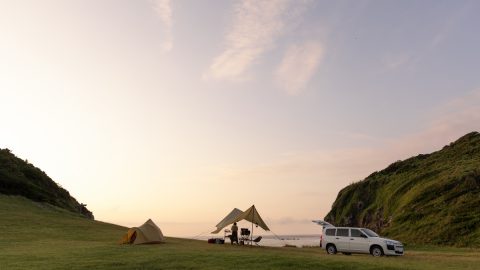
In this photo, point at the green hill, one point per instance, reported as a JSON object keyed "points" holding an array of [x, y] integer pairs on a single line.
{"points": [[18, 177], [427, 199]]}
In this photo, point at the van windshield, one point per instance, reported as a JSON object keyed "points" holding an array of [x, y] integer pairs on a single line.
{"points": [[370, 233]]}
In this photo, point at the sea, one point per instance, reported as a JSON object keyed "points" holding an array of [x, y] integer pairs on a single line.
{"points": [[300, 241]]}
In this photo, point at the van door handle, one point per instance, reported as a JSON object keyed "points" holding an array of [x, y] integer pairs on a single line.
{"points": [[352, 239], [337, 238]]}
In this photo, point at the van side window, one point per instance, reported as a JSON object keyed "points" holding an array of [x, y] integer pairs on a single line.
{"points": [[330, 232], [355, 233], [342, 232]]}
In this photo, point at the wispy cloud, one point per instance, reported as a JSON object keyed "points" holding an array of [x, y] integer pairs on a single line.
{"points": [[163, 8], [448, 122], [256, 25], [395, 60], [298, 66], [449, 23]]}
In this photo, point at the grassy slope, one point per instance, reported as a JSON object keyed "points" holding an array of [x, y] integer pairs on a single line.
{"points": [[429, 199], [39, 236]]}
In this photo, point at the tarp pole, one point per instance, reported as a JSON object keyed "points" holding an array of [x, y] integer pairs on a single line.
{"points": [[253, 218]]}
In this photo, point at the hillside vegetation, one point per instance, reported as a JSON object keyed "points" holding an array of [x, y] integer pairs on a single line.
{"points": [[41, 236], [427, 199], [18, 177]]}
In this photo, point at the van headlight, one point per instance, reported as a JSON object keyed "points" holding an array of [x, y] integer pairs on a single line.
{"points": [[389, 243]]}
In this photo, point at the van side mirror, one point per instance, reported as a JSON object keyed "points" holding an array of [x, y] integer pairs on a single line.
{"points": [[363, 236]]}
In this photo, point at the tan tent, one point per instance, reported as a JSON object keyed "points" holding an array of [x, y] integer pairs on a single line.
{"points": [[236, 215], [148, 233]]}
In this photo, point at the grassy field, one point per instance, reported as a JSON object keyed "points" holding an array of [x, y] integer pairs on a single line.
{"points": [[39, 236]]}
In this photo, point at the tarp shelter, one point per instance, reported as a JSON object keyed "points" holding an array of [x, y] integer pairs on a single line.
{"points": [[228, 219], [148, 233], [251, 214]]}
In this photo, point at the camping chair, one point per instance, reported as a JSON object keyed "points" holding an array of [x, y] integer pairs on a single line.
{"points": [[244, 235], [225, 235], [257, 240]]}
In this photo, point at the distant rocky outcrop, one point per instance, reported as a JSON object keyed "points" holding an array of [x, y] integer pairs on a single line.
{"points": [[19, 177], [427, 199]]}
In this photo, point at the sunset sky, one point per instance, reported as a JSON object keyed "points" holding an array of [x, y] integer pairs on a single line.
{"points": [[180, 111]]}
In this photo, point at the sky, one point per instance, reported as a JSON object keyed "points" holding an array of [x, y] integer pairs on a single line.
{"points": [[182, 110]]}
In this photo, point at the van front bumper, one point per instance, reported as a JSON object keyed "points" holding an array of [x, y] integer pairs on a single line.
{"points": [[396, 250]]}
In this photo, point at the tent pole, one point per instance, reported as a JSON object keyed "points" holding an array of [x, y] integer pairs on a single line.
{"points": [[251, 235]]}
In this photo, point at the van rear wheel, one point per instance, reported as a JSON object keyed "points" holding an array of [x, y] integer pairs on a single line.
{"points": [[331, 249]]}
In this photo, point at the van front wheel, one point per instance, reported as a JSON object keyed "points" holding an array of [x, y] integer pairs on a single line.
{"points": [[376, 251], [331, 249]]}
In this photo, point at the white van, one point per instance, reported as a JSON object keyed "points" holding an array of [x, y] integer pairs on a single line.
{"points": [[350, 240]]}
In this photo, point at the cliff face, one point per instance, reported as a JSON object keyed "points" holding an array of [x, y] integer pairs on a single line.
{"points": [[18, 177], [427, 199]]}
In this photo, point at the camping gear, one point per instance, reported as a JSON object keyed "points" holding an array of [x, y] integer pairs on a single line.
{"points": [[216, 241], [148, 233], [257, 240], [244, 232], [244, 235], [251, 214]]}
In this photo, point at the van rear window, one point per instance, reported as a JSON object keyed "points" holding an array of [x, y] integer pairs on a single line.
{"points": [[342, 232], [330, 232]]}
